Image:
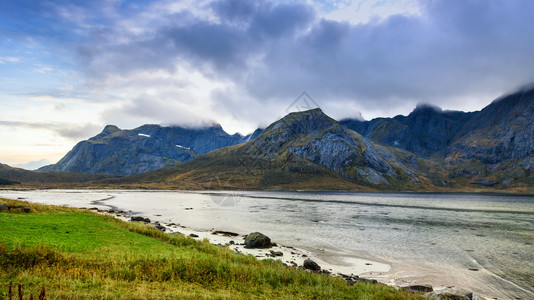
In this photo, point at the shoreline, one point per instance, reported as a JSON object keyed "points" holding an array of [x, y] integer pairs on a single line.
{"points": [[349, 267], [292, 256], [451, 191]]}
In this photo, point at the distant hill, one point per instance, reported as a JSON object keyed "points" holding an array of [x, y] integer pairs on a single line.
{"points": [[7, 182], [146, 148], [32, 177]]}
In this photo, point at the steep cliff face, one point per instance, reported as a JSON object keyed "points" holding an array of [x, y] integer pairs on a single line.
{"points": [[493, 147], [425, 131], [501, 132], [317, 138], [149, 147]]}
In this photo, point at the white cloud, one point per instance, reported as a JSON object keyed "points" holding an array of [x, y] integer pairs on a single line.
{"points": [[364, 11], [8, 59], [33, 165], [43, 69]]}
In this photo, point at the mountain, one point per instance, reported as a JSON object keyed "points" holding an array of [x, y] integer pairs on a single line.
{"points": [[424, 132], [307, 150], [427, 150], [146, 148], [502, 131], [493, 147]]}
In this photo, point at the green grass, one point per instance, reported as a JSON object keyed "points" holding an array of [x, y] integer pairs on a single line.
{"points": [[77, 254]]}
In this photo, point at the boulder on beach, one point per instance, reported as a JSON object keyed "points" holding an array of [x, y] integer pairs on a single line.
{"points": [[159, 226], [225, 233], [452, 294], [417, 288], [311, 265], [140, 219], [257, 240], [366, 280]]}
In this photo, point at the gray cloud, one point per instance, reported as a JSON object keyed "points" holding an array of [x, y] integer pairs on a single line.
{"points": [[457, 53]]}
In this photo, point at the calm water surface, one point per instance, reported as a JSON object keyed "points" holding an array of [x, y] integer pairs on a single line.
{"points": [[486, 240]]}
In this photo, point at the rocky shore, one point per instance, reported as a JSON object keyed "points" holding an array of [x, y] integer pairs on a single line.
{"points": [[261, 247]]}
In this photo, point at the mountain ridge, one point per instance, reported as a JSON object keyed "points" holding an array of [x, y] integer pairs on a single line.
{"points": [[148, 147], [429, 149]]}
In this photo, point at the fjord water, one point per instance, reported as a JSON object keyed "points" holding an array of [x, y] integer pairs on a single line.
{"points": [[481, 242]]}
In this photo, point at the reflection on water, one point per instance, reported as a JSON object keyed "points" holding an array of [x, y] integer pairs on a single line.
{"points": [[486, 238]]}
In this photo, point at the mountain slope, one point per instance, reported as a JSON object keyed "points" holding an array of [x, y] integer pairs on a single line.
{"points": [[495, 148], [424, 132], [306, 150], [502, 131], [146, 148]]}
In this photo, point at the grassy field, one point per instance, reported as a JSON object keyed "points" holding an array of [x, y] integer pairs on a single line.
{"points": [[77, 254]]}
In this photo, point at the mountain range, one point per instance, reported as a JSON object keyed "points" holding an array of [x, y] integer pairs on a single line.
{"points": [[146, 148], [427, 150]]}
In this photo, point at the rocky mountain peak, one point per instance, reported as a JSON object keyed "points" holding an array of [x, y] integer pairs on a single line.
{"points": [[148, 147], [426, 108], [301, 122], [110, 128]]}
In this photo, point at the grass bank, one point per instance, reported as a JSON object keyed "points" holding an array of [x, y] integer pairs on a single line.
{"points": [[78, 254]]}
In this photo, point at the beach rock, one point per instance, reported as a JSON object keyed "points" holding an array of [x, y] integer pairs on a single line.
{"points": [[350, 282], [159, 226], [311, 265], [277, 253], [257, 240], [193, 235], [140, 219], [3, 206], [373, 281], [417, 288], [225, 233], [452, 294]]}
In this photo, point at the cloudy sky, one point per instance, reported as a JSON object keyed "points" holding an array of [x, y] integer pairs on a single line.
{"points": [[67, 68]]}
